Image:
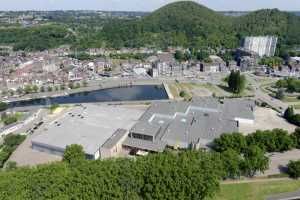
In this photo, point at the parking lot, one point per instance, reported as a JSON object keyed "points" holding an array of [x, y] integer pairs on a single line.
{"points": [[24, 155], [266, 119]]}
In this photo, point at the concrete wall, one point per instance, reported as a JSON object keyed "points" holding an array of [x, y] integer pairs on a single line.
{"points": [[47, 149], [57, 151], [114, 151]]}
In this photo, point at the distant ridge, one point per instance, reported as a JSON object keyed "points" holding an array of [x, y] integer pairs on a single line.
{"points": [[187, 23], [241, 13]]}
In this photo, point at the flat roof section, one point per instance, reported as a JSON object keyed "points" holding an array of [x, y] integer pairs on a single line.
{"points": [[115, 138], [90, 126], [157, 146], [145, 128]]}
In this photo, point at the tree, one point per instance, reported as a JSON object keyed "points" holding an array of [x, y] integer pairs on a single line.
{"points": [[11, 92], [184, 175], [179, 55], [85, 83], [187, 55], [276, 140], [227, 56], [296, 137], [4, 92], [73, 154], [71, 85], [62, 87], [283, 140], [3, 106], [182, 93], [254, 161], [20, 90], [294, 169], [234, 141], [77, 85], [281, 84], [35, 88], [236, 82], [280, 94], [295, 119], [42, 89], [291, 117], [202, 55], [291, 85], [28, 89], [232, 163], [49, 89], [10, 165], [288, 113]]}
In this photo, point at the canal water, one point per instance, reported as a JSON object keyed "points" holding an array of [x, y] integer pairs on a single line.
{"points": [[131, 93]]}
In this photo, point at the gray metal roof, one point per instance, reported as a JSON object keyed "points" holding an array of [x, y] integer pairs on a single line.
{"points": [[89, 126], [157, 146], [199, 121], [115, 138], [237, 108], [145, 128], [201, 125]]}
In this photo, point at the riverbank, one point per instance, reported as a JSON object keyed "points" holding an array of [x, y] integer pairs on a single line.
{"points": [[92, 86], [117, 94]]}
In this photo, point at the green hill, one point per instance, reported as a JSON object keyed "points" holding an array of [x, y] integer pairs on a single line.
{"points": [[187, 23]]}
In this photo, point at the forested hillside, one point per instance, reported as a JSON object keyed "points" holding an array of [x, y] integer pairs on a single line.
{"points": [[181, 23], [184, 23], [36, 38], [190, 24]]}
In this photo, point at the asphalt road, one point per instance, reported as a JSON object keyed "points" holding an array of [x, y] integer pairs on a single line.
{"points": [[262, 96]]}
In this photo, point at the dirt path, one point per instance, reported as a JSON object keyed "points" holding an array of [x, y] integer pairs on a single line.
{"points": [[255, 180]]}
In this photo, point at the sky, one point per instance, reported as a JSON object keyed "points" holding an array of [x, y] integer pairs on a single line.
{"points": [[144, 5]]}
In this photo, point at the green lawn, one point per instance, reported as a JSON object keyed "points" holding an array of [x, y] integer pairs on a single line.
{"points": [[173, 90], [291, 99], [297, 106], [255, 191]]}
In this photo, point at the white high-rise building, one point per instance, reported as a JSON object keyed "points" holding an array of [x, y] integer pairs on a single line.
{"points": [[262, 45]]}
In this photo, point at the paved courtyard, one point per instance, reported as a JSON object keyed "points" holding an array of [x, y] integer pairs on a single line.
{"points": [[266, 119], [278, 161]]}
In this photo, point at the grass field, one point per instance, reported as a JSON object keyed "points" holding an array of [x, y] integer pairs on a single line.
{"points": [[194, 89], [291, 99], [255, 190]]}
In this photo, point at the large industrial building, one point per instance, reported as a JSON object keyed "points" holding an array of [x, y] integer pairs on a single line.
{"points": [[109, 131], [262, 45], [182, 125], [100, 130]]}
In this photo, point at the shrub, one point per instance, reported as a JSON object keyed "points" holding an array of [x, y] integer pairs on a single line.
{"points": [[296, 136], [182, 93], [276, 140], [73, 154], [294, 169], [234, 141], [254, 161], [10, 119], [291, 117], [236, 82], [231, 163], [3, 106], [280, 94]]}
